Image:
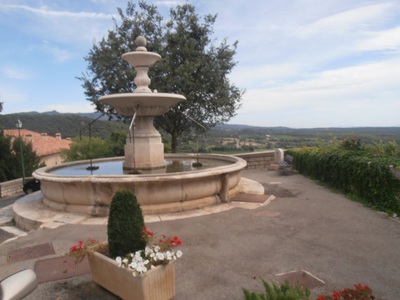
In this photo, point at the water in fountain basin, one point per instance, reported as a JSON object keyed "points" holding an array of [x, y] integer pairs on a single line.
{"points": [[115, 167]]}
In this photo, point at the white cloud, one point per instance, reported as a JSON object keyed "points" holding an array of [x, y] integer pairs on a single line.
{"points": [[72, 28], [170, 2], [16, 73], [339, 97], [264, 75], [358, 18], [381, 40], [12, 98], [60, 55], [46, 12]]}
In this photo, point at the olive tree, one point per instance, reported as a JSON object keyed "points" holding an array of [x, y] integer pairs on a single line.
{"points": [[192, 65]]}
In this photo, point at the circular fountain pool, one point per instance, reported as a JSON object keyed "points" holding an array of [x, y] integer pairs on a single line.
{"points": [[70, 187]]}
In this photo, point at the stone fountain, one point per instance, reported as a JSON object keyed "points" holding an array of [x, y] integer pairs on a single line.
{"points": [[144, 161], [144, 149]]}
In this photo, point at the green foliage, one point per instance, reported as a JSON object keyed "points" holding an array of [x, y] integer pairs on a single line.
{"points": [[192, 66], [31, 159], [7, 159], [117, 142], [87, 148], [390, 148], [359, 172], [10, 158], [90, 148], [69, 125], [278, 292], [351, 144], [125, 223]]}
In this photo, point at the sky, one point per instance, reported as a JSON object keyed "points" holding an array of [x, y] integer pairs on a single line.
{"points": [[302, 63]]}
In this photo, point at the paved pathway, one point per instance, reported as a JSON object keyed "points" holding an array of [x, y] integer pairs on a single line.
{"points": [[306, 227]]}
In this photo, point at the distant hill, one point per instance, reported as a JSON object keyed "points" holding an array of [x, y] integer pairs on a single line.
{"points": [[68, 124], [307, 131]]}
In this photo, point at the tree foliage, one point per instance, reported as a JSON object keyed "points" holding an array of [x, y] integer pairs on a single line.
{"points": [[10, 158], [192, 66], [6, 158], [94, 147]]}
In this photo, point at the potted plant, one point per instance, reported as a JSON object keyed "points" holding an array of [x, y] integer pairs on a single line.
{"points": [[134, 264]]}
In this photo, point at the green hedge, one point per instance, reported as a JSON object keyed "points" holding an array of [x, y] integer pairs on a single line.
{"points": [[358, 173]]}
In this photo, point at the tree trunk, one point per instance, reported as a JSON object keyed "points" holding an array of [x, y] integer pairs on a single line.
{"points": [[174, 142]]}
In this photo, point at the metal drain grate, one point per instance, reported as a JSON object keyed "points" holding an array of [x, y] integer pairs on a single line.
{"points": [[30, 252], [60, 268]]}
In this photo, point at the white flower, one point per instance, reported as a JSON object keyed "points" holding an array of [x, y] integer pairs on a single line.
{"points": [[160, 256], [146, 259], [119, 261], [168, 254]]}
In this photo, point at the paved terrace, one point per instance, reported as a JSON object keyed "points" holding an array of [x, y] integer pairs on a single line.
{"points": [[306, 227]]}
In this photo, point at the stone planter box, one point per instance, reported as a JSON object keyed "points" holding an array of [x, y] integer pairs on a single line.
{"points": [[155, 284]]}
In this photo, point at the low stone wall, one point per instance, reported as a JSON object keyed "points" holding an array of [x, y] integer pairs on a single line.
{"points": [[258, 160], [9, 188]]}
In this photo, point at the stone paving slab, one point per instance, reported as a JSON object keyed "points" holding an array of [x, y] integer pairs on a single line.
{"points": [[31, 252], [57, 268]]}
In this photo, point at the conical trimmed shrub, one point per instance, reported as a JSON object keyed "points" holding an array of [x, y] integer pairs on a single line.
{"points": [[125, 223]]}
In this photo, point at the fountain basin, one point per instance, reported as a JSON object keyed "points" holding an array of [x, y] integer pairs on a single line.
{"points": [[145, 104], [156, 193]]}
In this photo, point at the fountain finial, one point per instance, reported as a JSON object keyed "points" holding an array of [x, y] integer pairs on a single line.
{"points": [[141, 43]]}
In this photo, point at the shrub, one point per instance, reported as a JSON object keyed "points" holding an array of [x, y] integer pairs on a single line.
{"points": [[359, 173], [125, 223], [278, 292]]}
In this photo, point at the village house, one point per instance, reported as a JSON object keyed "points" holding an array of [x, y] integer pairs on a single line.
{"points": [[47, 147]]}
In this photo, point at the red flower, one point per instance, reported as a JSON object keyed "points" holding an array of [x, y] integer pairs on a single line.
{"points": [[174, 242], [147, 232], [77, 247]]}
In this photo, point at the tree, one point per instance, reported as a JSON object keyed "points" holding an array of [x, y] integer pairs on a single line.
{"points": [[5, 159], [10, 158], [117, 142], [31, 159], [192, 66], [87, 148], [95, 147]]}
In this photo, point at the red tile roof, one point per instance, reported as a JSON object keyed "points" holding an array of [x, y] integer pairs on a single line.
{"points": [[42, 143]]}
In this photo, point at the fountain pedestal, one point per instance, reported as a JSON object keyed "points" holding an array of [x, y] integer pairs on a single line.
{"points": [[144, 149]]}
